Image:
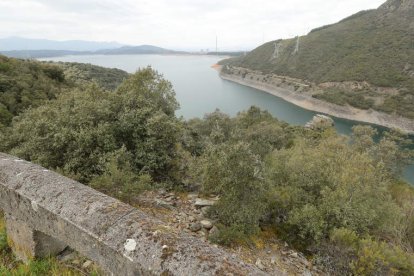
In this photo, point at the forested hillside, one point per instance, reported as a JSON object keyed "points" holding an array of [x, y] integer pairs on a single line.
{"points": [[374, 46], [29, 83], [81, 74]]}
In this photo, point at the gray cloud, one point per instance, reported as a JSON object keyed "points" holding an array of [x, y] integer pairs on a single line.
{"points": [[180, 24]]}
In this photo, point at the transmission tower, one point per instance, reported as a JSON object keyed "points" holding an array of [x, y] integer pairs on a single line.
{"points": [[297, 45], [276, 50]]}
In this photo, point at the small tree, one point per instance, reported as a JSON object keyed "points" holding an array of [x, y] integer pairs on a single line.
{"points": [[235, 173]]}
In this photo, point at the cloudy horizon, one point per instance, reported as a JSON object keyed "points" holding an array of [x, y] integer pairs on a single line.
{"points": [[178, 24]]}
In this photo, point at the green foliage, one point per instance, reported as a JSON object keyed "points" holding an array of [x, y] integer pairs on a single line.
{"points": [[392, 151], [367, 256], [119, 180], [5, 116], [401, 104], [78, 131], [264, 133], [28, 84], [306, 183], [81, 74], [325, 185], [54, 72], [374, 46], [230, 165], [229, 235], [343, 97], [25, 84], [403, 194], [323, 192], [3, 237], [234, 172], [4, 67]]}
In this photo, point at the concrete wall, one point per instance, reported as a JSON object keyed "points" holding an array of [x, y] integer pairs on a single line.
{"points": [[46, 211]]}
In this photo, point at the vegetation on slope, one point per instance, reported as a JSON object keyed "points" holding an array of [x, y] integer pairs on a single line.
{"points": [[81, 74], [323, 193], [339, 199], [25, 84], [77, 132], [375, 46], [28, 84]]}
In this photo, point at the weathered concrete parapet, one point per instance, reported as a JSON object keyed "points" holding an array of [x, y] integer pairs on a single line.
{"points": [[28, 243], [121, 239]]}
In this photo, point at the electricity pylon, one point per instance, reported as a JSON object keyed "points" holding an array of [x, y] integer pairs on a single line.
{"points": [[297, 45]]}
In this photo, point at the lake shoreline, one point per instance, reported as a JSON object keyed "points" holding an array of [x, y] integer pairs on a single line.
{"points": [[309, 103]]}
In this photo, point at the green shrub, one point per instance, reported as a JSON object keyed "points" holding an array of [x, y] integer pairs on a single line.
{"points": [[54, 72], [4, 67], [328, 185], [82, 74], [343, 97], [349, 254], [234, 172], [78, 131], [119, 180], [229, 235]]}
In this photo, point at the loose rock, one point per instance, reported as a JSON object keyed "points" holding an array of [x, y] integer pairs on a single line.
{"points": [[259, 264], [204, 210], [164, 204], [306, 273], [201, 202], [206, 224], [192, 196], [214, 231], [87, 264], [194, 227]]}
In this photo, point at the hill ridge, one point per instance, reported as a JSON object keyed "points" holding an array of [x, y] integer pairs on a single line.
{"points": [[374, 46]]}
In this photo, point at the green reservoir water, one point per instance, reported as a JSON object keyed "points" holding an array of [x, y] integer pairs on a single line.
{"points": [[200, 90]]}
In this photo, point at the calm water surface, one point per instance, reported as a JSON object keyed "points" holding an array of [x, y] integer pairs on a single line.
{"points": [[200, 90]]}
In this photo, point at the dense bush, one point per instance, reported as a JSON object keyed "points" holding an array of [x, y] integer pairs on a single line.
{"points": [[349, 254], [305, 183], [119, 179], [29, 83], [326, 185], [235, 172], [25, 84], [309, 186], [80, 130], [343, 97]]}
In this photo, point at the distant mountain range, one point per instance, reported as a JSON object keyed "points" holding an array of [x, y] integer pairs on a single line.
{"points": [[142, 49], [26, 54], [37, 48], [20, 43], [18, 47]]}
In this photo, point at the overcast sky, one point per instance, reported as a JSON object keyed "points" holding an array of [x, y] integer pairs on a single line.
{"points": [[175, 24]]}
